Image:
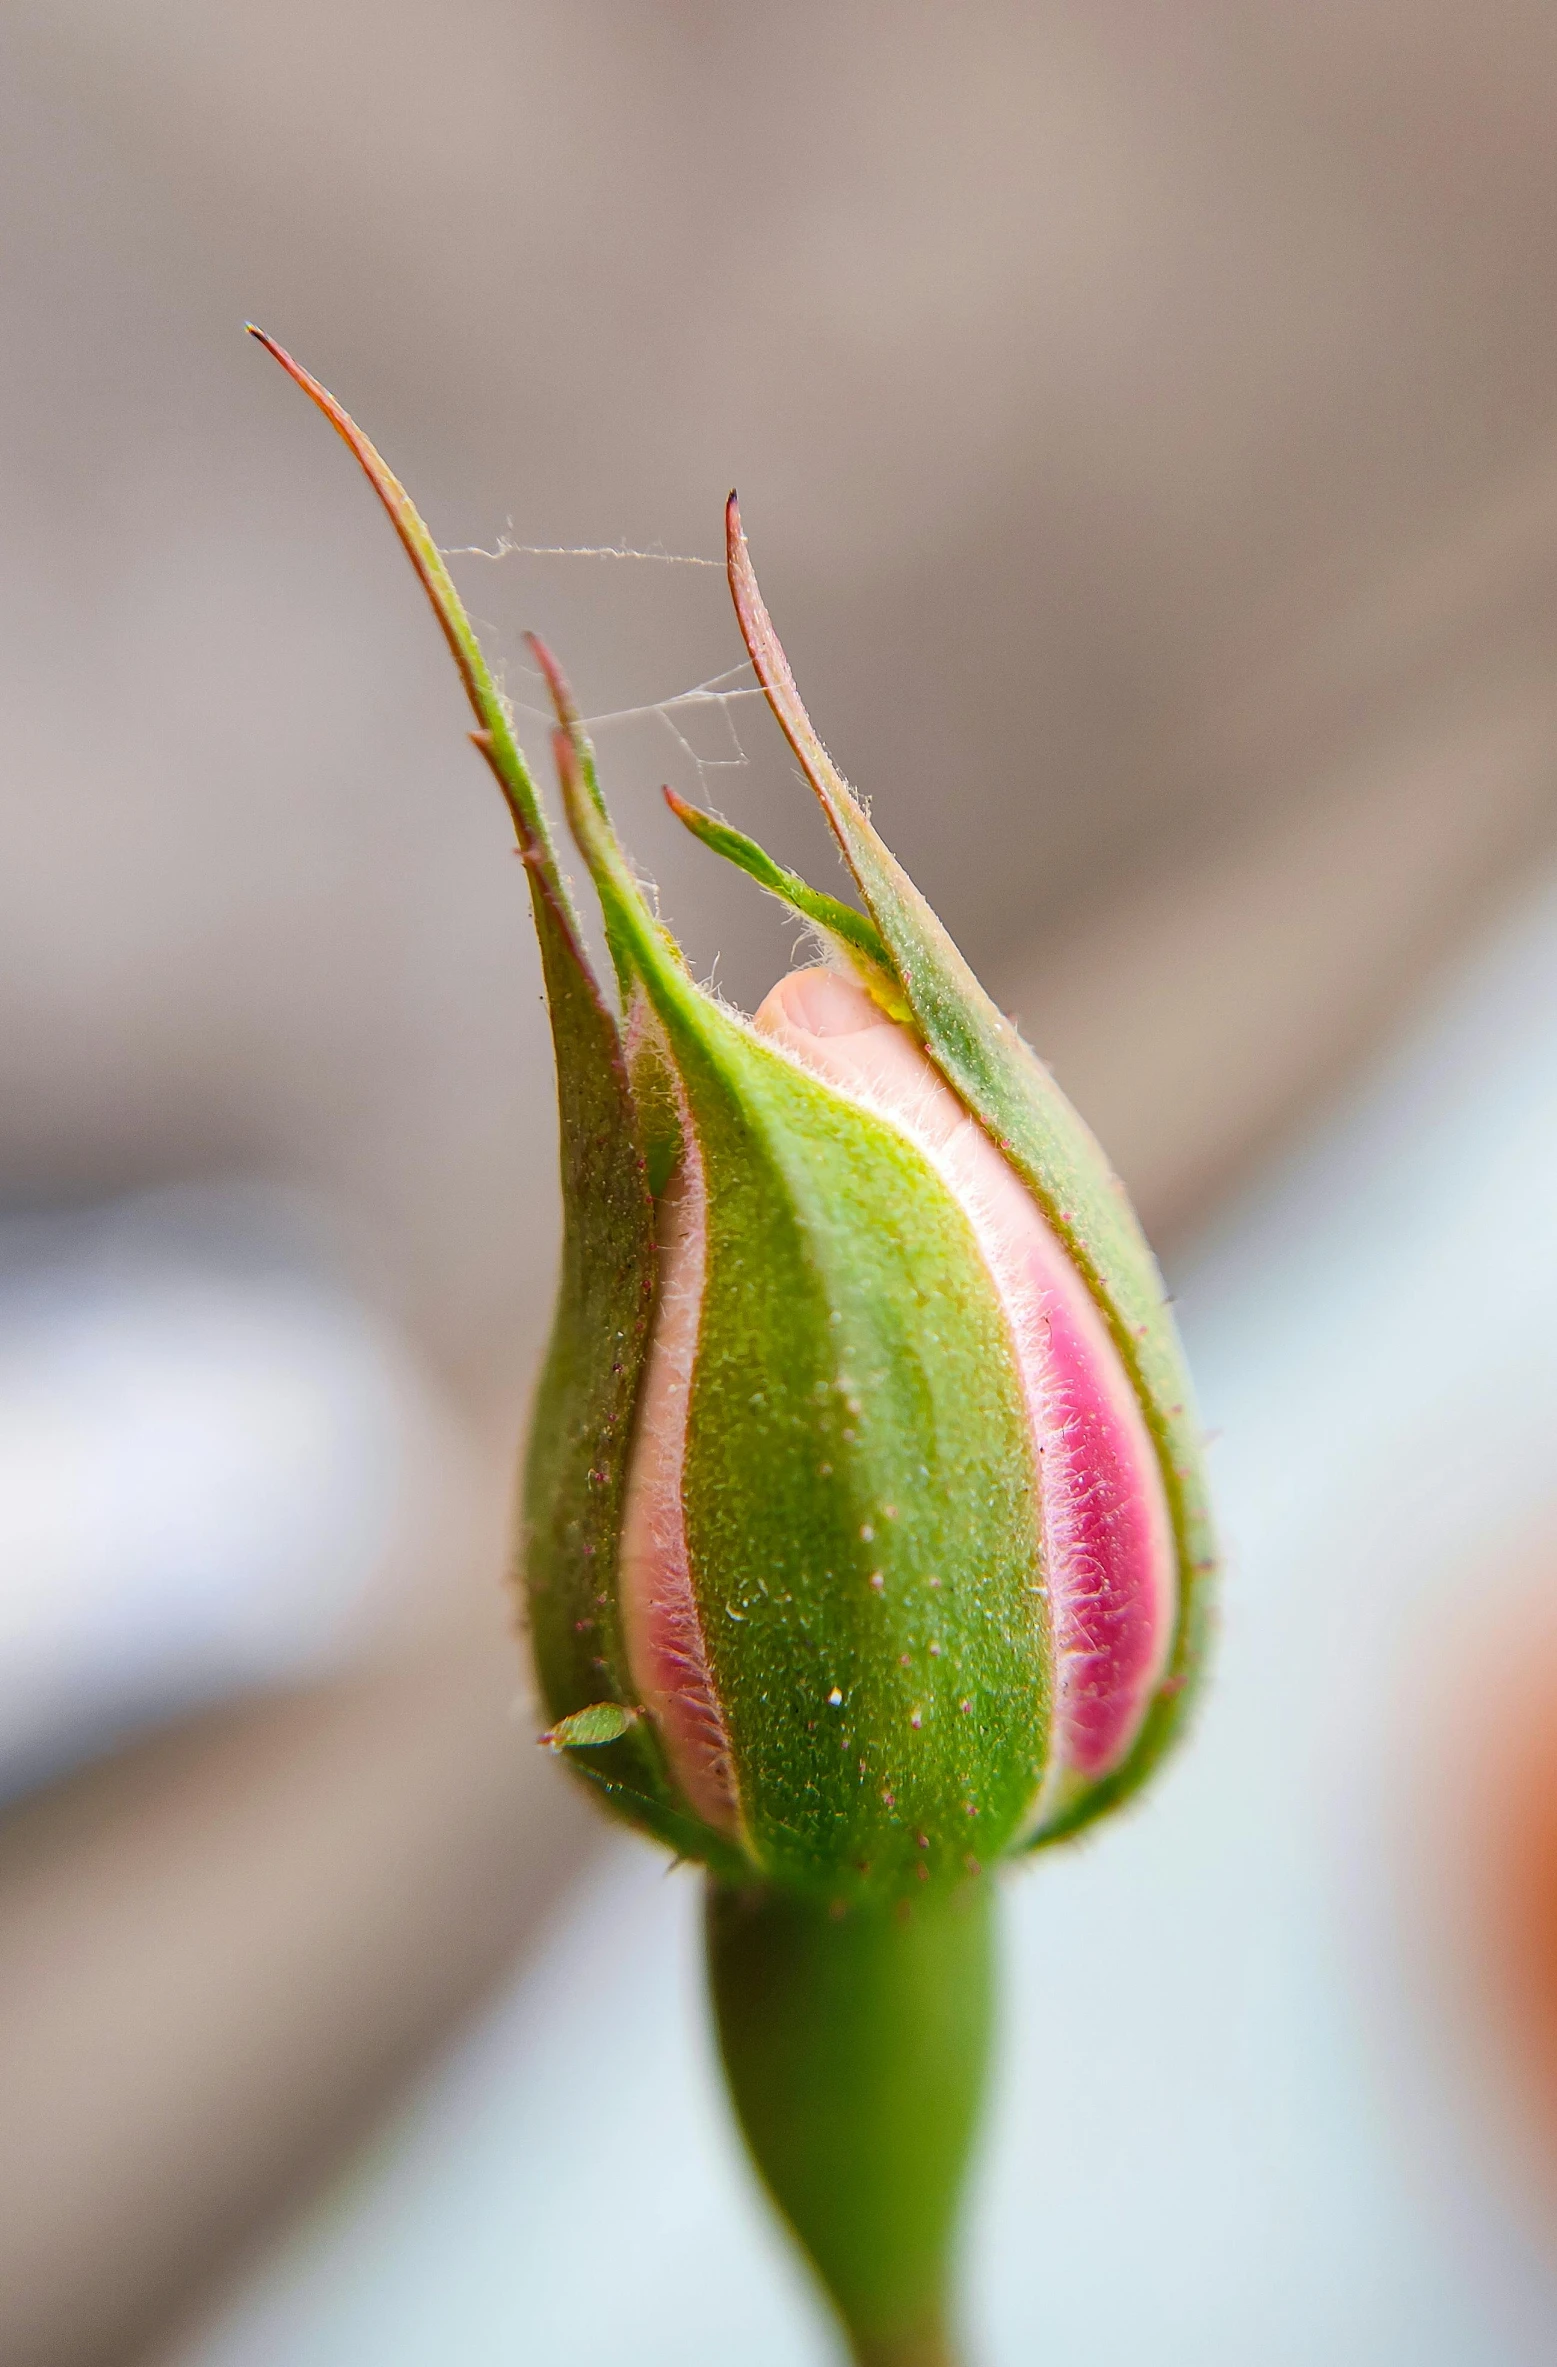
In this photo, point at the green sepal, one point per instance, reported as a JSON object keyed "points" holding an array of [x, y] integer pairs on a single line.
{"points": [[575, 1473], [859, 1482], [857, 2053], [570, 723], [847, 931], [576, 1466], [494, 735], [1006, 1086]]}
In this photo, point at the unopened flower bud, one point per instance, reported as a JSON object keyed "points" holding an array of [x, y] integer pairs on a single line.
{"points": [[910, 1537], [864, 1534], [865, 1539]]}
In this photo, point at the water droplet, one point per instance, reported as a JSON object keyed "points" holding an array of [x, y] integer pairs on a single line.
{"points": [[834, 1699], [878, 1582], [916, 1720]]}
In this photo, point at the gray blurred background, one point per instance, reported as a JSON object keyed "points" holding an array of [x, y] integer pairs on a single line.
{"points": [[1145, 425]]}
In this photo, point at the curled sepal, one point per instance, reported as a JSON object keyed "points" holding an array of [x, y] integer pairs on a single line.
{"points": [[994, 1074], [842, 929], [494, 734]]}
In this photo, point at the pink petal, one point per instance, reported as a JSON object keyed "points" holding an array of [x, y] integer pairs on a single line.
{"points": [[663, 1633], [1107, 1543]]}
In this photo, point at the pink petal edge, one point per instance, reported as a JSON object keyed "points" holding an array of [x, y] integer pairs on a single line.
{"points": [[1107, 1538], [666, 1655]]}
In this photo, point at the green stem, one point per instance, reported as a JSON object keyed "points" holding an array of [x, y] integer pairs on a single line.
{"points": [[856, 2049], [931, 2346]]}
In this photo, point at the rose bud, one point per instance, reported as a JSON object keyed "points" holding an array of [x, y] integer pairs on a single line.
{"points": [[864, 1536], [911, 1530]]}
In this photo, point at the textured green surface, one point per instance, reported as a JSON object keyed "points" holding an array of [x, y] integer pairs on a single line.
{"points": [[581, 1428], [856, 2052], [993, 1072], [859, 1478]]}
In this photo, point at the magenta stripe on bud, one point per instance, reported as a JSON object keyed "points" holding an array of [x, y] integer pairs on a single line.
{"points": [[666, 1656], [1107, 1543]]}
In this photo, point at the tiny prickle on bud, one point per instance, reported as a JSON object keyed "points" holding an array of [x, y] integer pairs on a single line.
{"points": [[864, 1536]]}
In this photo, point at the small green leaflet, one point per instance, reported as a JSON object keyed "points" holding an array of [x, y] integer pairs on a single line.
{"points": [[587, 1729]]}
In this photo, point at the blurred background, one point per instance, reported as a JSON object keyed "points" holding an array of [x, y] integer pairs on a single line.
{"points": [[1146, 429]]}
